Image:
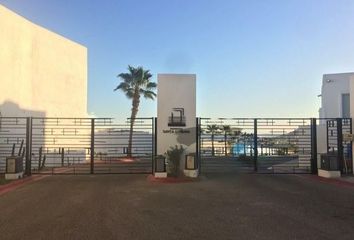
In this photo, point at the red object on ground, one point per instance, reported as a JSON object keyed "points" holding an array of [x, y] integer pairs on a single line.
{"points": [[151, 178], [338, 182], [18, 183]]}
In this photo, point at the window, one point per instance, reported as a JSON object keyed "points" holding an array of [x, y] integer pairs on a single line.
{"points": [[346, 105]]}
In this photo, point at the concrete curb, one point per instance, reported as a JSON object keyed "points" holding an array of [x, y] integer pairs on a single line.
{"points": [[334, 181], [18, 183], [170, 180]]}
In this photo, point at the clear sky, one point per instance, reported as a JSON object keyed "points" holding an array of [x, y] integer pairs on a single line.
{"points": [[253, 58]]}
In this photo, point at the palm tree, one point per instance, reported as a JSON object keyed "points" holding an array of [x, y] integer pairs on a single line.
{"points": [[136, 83], [227, 130], [247, 139], [234, 135], [212, 129]]}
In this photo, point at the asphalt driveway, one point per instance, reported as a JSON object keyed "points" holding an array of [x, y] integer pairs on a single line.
{"points": [[243, 206]]}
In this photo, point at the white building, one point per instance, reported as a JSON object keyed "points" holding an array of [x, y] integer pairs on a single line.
{"points": [[336, 95], [42, 74], [337, 101]]}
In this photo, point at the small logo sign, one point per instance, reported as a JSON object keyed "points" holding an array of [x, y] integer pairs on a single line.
{"points": [[177, 118]]}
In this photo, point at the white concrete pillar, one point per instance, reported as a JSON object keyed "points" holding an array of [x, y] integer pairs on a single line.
{"points": [[176, 112]]}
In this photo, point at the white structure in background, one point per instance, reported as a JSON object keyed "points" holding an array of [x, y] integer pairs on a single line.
{"points": [[42, 74], [337, 90], [337, 101]]}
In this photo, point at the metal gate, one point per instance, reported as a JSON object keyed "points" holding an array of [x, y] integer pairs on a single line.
{"points": [[79, 145], [111, 146], [338, 146], [100, 145], [226, 145], [264, 145], [13, 134]]}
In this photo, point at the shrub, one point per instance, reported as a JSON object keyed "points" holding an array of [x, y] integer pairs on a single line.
{"points": [[174, 155]]}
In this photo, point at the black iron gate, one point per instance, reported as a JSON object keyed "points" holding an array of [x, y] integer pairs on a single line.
{"points": [[111, 146], [339, 145], [79, 145], [218, 150], [264, 145], [13, 134], [273, 145]]}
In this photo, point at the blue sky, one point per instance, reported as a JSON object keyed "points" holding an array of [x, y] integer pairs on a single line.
{"points": [[252, 58]]}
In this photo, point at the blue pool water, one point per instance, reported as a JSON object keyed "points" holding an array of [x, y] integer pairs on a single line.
{"points": [[239, 148]]}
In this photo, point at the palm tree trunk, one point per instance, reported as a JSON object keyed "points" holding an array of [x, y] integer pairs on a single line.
{"points": [[225, 138], [212, 145], [244, 146], [135, 108]]}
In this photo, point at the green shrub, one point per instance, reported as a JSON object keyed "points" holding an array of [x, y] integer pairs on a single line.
{"points": [[174, 155]]}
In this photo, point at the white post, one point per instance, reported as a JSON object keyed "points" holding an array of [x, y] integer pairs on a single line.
{"points": [[176, 113]]}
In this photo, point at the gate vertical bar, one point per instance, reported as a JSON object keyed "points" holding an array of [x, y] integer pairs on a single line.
{"points": [[154, 143], [92, 151], [62, 157], [314, 167], [199, 131], [351, 145], [28, 167], [340, 144], [255, 144], [327, 134], [197, 140]]}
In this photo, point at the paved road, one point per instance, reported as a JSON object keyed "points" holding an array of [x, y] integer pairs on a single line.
{"points": [[217, 207]]}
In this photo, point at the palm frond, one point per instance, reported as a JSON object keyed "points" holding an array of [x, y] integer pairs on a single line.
{"points": [[151, 85], [147, 75], [123, 85], [129, 94], [126, 77], [212, 128], [148, 94], [131, 69], [137, 80]]}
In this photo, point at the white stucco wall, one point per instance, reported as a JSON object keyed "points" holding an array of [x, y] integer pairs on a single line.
{"points": [[176, 91], [351, 91], [333, 86], [41, 72]]}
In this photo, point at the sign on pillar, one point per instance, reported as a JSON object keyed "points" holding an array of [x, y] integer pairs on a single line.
{"points": [[176, 114]]}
